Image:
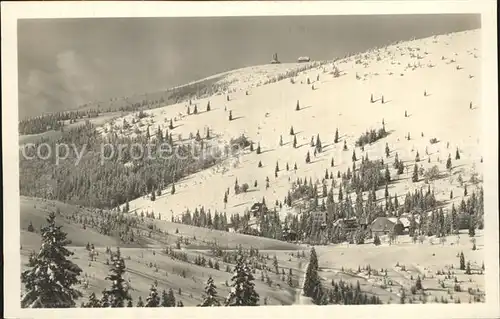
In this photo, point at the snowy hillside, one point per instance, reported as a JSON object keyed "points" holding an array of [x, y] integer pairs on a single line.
{"points": [[435, 81]]}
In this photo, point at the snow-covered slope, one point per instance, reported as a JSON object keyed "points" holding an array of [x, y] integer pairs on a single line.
{"points": [[446, 67]]}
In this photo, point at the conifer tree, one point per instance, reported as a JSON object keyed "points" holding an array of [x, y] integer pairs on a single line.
{"points": [[354, 156], [277, 168], [281, 140], [243, 288], [417, 157], [171, 298], [210, 299], [93, 302], [164, 298], [230, 115], [153, 300], [173, 189], [308, 157], [195, 111], [312, 280], [292, 131], [208, 106], [140, 303], [258, 148], [287, 167], [49, 283], [118, 293], [294, 141], [297, 107], [336, 139], [332, 163], [462, 261], [153, 195], [448, 163], [414, 177], [171, 126], [457, 155], [345, 146], [295, 167], [260, 164], [387, 151], [319, 147], [387, 174], [371, 98]]}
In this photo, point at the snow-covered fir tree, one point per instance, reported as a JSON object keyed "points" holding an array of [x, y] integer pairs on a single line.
{"points": [[243, 288], [118, 293], [153, 300], [49, 283], [210, 299]]}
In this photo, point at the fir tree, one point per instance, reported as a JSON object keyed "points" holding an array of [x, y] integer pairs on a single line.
{"points": [[387, 174], [258, 148], [230, 115], [153, 195], [164, 298], [281, 140], [457, 155], [171, 126], [195, 111], [418, 283], [140, 303], [171, 298], [294, 141], [49, 283], [462, 261], [467, 269], [295, 167], [417, 157], [448, 163], [93, 302], [297, 107], [210, 299], [371, 98], [243, 288], [153, 300], [260, 164], [173, 189], [118, 293], [292, 131], [308, 158], [319, 146], [414, 177], [336, 139], [332, 163], [354, 156], [312, 281], [208, 106], [345, 146], [387, 151]]}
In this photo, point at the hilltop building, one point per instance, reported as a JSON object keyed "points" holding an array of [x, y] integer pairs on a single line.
{"points": [[275, 59], [304, 59]]}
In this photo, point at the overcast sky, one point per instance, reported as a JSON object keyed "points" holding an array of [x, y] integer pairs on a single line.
{"points": [[67, 62]]}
